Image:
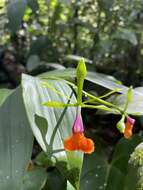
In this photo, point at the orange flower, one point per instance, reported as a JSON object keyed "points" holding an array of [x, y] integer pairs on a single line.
{"points": [[129, 127], [78, 141]]}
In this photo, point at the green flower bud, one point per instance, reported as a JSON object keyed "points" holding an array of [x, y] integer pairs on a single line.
{"points": [[81, 71], [121, 125], [80, 74]]}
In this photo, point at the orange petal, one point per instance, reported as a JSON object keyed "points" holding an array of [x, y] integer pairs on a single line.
{"points": [[79, 142], [69, 144], [128, 130], [128, 134], [86, 145]]}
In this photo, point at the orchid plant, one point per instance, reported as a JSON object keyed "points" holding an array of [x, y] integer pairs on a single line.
{"points": [[58, 127], [77, 141]]}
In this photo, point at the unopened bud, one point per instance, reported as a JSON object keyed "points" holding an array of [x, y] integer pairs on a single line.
{"points": [[121, 125]]}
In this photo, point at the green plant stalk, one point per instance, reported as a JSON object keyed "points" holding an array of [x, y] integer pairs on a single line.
{"points": [[129, 98], [79, 91], [58, 123], [100, 107], [98, 100], [103, 102], [110, 93], [104, 96]]}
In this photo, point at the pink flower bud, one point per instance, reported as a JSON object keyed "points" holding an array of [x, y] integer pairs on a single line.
{"points": [[78, 124], [130, 120]]}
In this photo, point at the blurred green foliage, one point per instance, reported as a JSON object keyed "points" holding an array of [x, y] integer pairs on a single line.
{"points": [[107, 33]]}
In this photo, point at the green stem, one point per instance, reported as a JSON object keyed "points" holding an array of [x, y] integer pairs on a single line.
{"points": [[103, 102], [58, 150], [79, 91], [58, 123], [110, 93], [91, 96], [99, 107]]}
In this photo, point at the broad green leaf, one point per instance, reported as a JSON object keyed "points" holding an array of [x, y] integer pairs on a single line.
{"points": [[15, 141], [135, 105], [106, 81], [99, 173], [4, 93], [34, 95], [100, 79], [15, 11], [34, 179]]}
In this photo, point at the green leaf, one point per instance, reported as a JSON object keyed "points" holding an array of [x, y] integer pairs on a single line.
{"points": [[135, 106], [100, 79], [15, 12], [4, 93], [43, 160], [34, 95], [99, 173], [33, 62], [34, 179], [126, 34], [42, 124], [106, 81], [55, 181], [15, 141]]}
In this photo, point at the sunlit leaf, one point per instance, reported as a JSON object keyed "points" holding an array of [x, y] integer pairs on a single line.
{"points": [[34, 95]]}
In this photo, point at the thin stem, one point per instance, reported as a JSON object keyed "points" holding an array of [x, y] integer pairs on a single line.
{"points": [[92, 96], [103, 102], [58, 150], [110, 93], [99, 107], [58, 123]]}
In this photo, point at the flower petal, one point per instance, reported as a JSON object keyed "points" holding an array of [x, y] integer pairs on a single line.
{"points": [[86, 145], [69, 144], [79, 142], [129, 127]]}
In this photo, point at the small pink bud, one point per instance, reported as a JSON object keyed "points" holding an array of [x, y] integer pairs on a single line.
{"points": [[130, 120], [78, 124]]}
